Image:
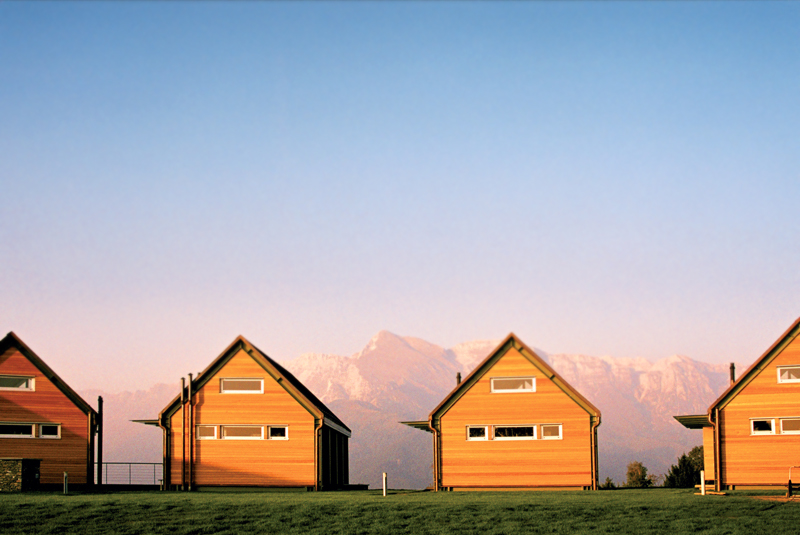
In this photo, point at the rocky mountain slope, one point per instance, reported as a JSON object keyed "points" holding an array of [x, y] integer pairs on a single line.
{"points": [[398, 378]]}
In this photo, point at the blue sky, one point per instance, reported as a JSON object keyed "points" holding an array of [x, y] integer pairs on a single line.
{"points": [[600, 177]]}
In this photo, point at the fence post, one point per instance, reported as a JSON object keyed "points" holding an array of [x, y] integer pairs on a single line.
{"points": [[702, 482], [384, 483]]}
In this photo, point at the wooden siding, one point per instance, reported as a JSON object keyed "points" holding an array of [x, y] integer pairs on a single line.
{"points": [[47, 404], [515, 463], [708, 453], [761, 459], [265, 462]]}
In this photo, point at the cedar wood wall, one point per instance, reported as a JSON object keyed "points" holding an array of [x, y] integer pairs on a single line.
{"points": [[516, 463], [762, 459], [47, 404], [281, 463]]}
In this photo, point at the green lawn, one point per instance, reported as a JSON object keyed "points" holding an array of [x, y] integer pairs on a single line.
{"points": [[622, 511]]}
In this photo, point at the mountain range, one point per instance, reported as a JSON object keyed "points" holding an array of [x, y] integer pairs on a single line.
{"points": [[396, 378]]}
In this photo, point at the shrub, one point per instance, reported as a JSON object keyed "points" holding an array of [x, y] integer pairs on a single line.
{"points": [[686, 473]]}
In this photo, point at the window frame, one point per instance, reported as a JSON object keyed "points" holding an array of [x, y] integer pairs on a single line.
{"points": [[223, 437], [197, 432], [31, 383], [788, 381], [48, 437], [33, 430], [514, 390], [560, 431], [795, 418], [269, 432], [222, 389], [485, 436], [753, 432], [495, 437]]}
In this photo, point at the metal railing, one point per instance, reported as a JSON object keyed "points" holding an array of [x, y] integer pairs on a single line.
{"points": [[131, 473]]}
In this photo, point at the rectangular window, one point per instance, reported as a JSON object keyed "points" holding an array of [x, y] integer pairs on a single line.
{"points": [[205, 432], [515, 432], [551, 431], [789, 374], [279, 432], [49, 431], [250, 385], [790, 426], [243, 432], [16, 431], [762, 426], [16, 382], [477, 432], [514, 384]]}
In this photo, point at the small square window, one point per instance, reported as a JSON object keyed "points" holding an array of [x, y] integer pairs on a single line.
{"points": [[551, 431], [477, 432], [513, 384], [790, 426], [789, 374], [279, 432], [762, 427], [16, 382], [49, 431], [206, 432]]}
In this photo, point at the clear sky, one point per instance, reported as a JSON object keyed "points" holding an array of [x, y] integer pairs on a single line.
{"points": [[600, 178]]}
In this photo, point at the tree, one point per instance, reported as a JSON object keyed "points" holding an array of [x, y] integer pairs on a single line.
{"points": [[608, 484], [637, 476], [686, 473]]}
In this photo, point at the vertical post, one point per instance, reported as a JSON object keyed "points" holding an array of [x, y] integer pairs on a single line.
{"points": [[733, 373], [702, 482], [384, 483], [183, 433], [66, 483], [99, 440], [191, 434]]}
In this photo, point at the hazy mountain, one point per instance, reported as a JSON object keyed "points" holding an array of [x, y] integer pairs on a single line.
{"points": [[403, 378]]}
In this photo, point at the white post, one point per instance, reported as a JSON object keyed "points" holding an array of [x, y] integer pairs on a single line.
{"points": [[702, 482], [384, 483]]}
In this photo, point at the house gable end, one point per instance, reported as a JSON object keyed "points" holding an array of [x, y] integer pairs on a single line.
{"points": [[12, 341]]}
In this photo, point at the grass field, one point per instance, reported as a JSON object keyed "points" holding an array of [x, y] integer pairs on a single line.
{"points": [[621, 511]]}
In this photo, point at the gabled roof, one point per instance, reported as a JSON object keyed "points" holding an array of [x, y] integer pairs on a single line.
{"points": [[290, 383], [754, 369], [511, 341], [12, 340]]}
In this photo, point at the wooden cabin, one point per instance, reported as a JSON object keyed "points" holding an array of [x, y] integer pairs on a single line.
{"points": [[751, 434], [246, 421], [513, 423], [41, 417]]}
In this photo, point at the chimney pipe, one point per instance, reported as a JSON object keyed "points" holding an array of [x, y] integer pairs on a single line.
{"points": [[733, 373], [458, 378]]}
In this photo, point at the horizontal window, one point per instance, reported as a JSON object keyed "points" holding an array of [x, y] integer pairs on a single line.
{"points": [[205, 432], [514, 432], [279, 432], [49, 431], [790, 426], [513, 384], [16, 431], [551, 431], [477, 432], [789, 374], [243, 432], [241, 386], [16, 382], [762, 426]]}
